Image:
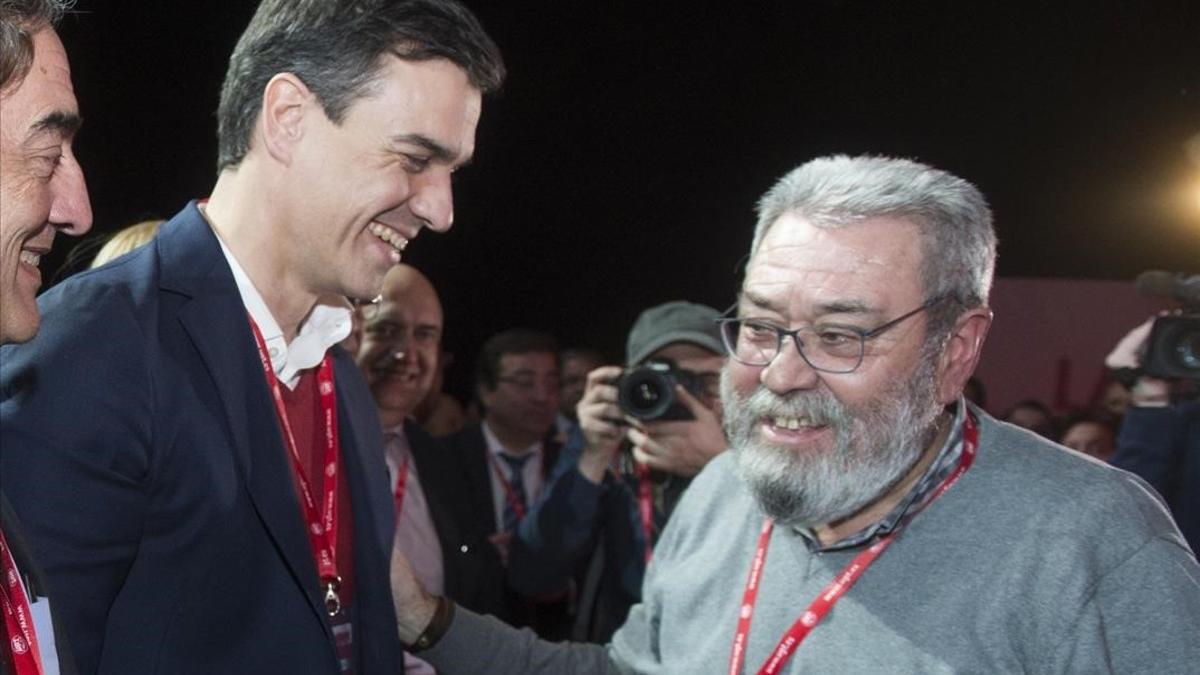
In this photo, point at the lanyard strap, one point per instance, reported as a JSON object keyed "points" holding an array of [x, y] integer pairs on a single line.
{"points": [[833, 592], [401, 486], [510, 495], [19, 632], [321, 518], [645, 499]]}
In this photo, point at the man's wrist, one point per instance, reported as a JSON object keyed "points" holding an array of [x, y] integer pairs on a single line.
{"points": [[436, 627], [593, 464]]}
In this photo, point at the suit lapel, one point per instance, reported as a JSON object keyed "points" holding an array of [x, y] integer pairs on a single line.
{"points": [[478, 469], [438, 478], [215, 319]]}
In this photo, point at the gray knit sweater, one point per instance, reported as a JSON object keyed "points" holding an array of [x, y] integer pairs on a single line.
{"points": [[1038, 560]]}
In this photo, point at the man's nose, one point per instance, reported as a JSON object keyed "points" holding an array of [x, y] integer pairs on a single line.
{"points": [[70, 210], [433, 199], [788, 371]]}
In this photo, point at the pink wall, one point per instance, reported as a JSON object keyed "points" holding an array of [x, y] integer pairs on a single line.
{"points": [[1042, 322]]}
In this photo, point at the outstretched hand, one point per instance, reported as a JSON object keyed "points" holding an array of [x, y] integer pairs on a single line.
{"points": [[413, 604]]}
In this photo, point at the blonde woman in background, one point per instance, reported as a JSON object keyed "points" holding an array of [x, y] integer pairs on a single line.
{"points": [[126, 240]]}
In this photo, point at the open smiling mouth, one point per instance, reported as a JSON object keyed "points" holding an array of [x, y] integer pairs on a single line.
{"points": [[389, 236], [792, 423], [32, 258]]}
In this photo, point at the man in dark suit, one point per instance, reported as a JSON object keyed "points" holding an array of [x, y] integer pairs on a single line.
{"points": [[507, 457], [42, 192], [399, 355], [199, 469]]}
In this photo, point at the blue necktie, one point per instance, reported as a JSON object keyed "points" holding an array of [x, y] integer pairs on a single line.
{"points": [[516, 481]]}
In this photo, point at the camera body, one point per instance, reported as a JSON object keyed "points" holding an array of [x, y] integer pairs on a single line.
{"points": [[647, 392], [1173, 348]]}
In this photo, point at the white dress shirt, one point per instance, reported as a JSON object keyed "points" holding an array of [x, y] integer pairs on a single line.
{"points": [[531, 473], [325, 326]]}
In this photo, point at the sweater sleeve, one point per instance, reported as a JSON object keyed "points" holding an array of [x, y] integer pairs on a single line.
{"points": [[482, 644]]}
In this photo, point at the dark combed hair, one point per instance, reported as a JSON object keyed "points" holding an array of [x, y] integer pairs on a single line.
{"points": [[511, 341], [19, 20], [336, 47]]}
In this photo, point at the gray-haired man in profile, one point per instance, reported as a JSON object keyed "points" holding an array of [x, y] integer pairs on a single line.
{"points": [[866, 518]]}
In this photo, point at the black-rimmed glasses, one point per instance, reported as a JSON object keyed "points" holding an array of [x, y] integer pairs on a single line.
{"points": [[829, 349]]}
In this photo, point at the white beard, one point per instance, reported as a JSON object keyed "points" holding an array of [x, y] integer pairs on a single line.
{"points": [[875, 446]]}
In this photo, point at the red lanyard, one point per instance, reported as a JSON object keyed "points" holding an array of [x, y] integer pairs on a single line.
{"points": [[645, 497], [401, 485], [828, 597], [18, 619], [509, 493], [322, 524]]}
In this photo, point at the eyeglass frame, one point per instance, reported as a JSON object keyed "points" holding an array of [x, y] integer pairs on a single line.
{"points": [[794, 333], [526, 385]]}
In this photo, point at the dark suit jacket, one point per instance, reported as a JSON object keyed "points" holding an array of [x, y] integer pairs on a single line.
{"points": [[28, 567], [469, 449], [473, 573], [143, 454]]}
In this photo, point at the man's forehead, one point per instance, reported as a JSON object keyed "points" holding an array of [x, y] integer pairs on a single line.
{"points": [[44, 100], [432, 105], [845, 268], [402, 309], [528, 360]]}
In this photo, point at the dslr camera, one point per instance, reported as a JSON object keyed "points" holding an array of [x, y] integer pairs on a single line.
{"points": [[1173, 347], [647, 392]]}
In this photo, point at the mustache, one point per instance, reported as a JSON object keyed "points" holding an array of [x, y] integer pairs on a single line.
{"points": [[819, 407]]}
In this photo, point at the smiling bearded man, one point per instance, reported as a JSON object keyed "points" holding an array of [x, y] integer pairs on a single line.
{"points": [[867, 518], [876, 445]]}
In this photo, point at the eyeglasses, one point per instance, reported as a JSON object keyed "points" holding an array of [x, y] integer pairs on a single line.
{"points": [[829, 349], [529, 382]]}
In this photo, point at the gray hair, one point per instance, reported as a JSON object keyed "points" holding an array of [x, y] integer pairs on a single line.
{"points": [[958, 242], [19, 21], [336, 47]]}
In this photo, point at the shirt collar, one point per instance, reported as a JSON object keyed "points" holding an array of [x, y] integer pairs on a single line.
{"points": [[496, 447], [325, 326], [921, 493]]}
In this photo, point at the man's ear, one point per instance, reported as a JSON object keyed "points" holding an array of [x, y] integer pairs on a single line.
{"points": [[286, 100], [961, 353], [483, 394]]}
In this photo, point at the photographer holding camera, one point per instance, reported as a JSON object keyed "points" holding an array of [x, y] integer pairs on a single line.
{"points": [[1159, 439], [643, 433]]}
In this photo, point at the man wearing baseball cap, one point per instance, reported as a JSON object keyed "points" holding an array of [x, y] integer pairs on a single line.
{"points": [[620, 476]]}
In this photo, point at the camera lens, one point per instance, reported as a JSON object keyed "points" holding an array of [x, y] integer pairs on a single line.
{"points": [[645, 393], [1187, 351]]}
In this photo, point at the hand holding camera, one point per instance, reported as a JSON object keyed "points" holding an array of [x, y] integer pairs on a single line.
{"points": [[679, 447], [601, 421], [658, 408]]}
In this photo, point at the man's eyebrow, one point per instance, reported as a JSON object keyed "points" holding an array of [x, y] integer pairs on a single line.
{"points": [[760, 301], [66, 123], [846, 307], [832, 307], [437, 150]]}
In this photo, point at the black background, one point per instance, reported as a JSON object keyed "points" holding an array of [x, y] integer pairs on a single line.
{"points": [[619, 166]]}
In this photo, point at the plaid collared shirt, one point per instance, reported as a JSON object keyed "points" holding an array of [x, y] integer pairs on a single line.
{"points": [[946, 461]]}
